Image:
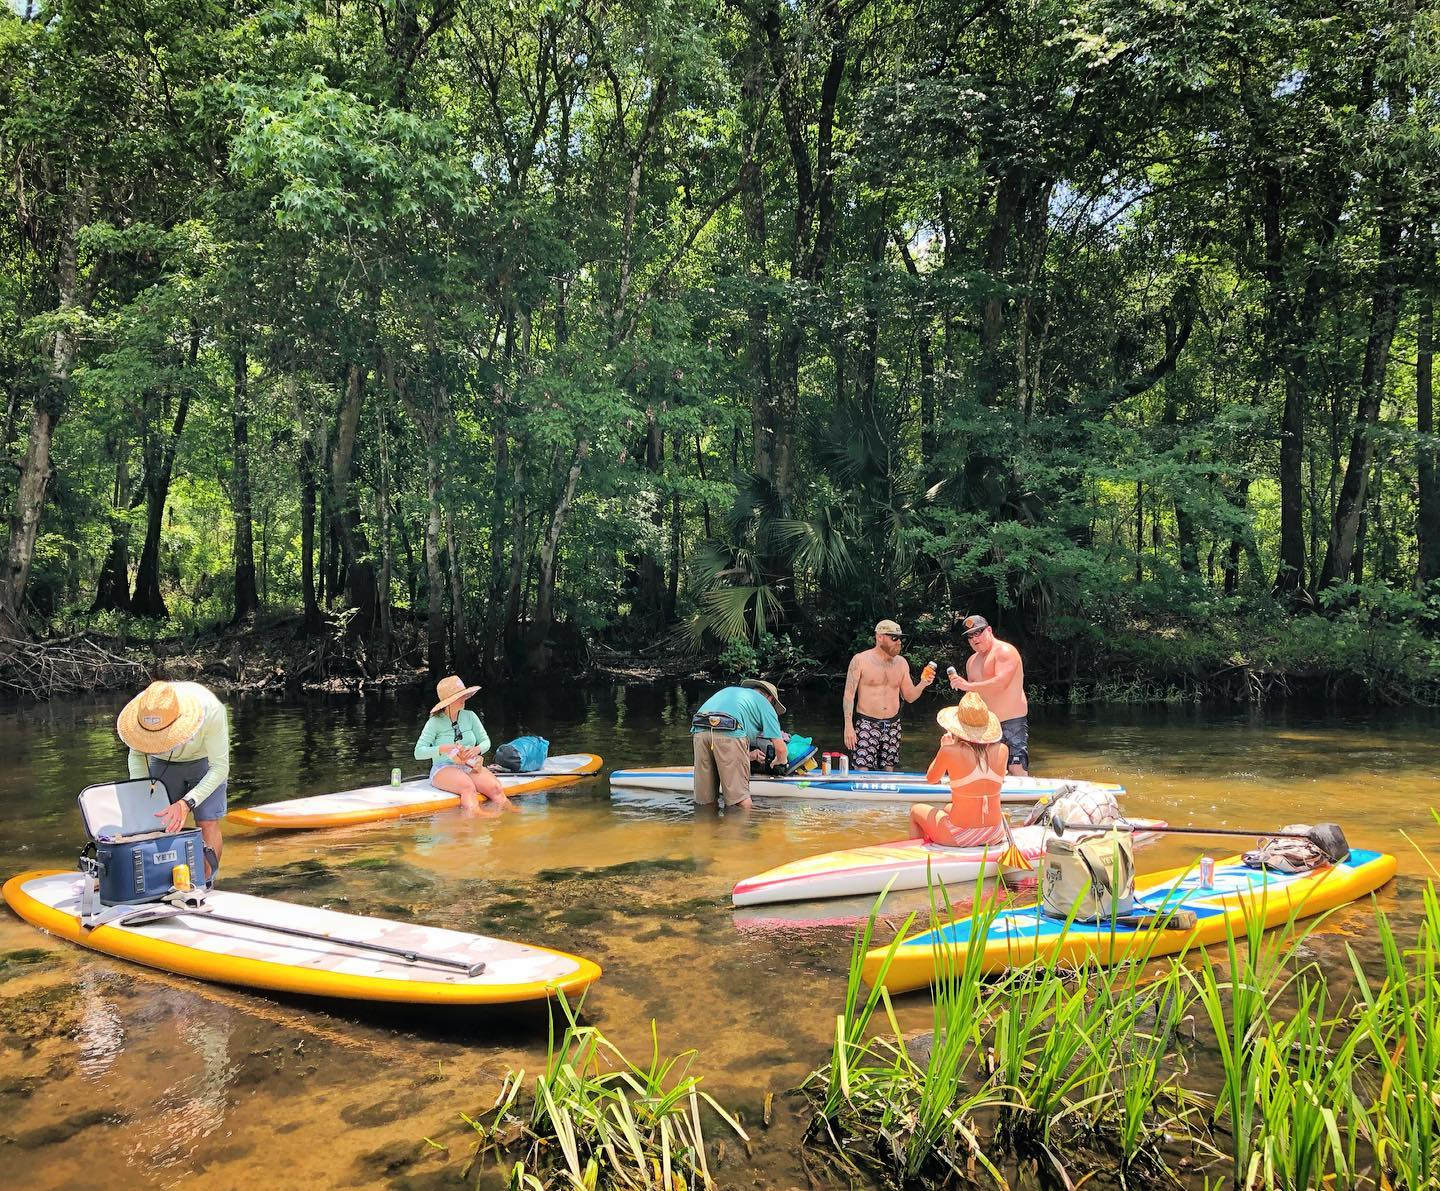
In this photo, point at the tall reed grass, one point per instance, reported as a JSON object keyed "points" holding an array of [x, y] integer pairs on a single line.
{"points": [[595, 1119], [1303, 1081]]}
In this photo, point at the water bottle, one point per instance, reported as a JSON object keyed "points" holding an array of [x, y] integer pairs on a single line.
{"points": [[395, 777]]}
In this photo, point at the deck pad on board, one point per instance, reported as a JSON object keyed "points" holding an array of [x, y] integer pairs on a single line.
{"points": [[251, 956], [374, 803], [858, 785]]}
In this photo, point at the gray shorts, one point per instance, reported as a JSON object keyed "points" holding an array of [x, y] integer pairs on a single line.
{"points": [[1016, 735], [180, 777]]}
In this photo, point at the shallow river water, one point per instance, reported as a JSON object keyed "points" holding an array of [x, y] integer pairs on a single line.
{"points": [[114, 1072]]}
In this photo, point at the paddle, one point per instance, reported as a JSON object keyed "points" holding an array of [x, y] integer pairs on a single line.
{"points": [[1326, 836], [1012, 858], [159, 913]]}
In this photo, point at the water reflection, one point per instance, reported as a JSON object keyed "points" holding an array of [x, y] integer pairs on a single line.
{"points": [[635, 881]]}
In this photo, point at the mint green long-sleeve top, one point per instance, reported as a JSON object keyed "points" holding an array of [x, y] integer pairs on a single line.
{"points": [[440, 729]]}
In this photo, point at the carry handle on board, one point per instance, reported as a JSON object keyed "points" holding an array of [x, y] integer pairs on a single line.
{"points": [[1326, 836], [146, 915]]}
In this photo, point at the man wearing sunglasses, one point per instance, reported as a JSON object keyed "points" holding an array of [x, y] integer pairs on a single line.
{"points": [[995, 672], [877, 680]]}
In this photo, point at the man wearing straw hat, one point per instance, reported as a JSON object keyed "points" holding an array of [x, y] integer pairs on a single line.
{"points": [[727, 731], [179, 735]]}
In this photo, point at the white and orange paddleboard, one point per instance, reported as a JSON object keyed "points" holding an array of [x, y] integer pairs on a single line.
{"points": [[372, 804]]}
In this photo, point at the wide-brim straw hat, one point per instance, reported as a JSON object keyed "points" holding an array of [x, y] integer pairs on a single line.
{"points": [[161, 717], [971, 720], [450, 690], [760, 684]]}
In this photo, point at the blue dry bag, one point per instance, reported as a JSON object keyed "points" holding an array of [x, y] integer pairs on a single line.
{"points": [[524, 754]]}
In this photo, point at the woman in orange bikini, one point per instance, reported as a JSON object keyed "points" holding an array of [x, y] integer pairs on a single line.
{"points": [[973, 759]]}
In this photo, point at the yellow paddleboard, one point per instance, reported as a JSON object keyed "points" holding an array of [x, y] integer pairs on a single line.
{"points": [[1019, 936], [252, 956], [374, 804]]}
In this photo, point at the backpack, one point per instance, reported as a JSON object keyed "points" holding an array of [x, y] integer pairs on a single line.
{"points": [[524, 754]]}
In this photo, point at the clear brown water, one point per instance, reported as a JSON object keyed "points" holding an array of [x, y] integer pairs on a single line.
{"points": [[112, 1070]]}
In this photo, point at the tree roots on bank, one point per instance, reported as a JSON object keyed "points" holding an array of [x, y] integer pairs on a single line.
{"points": [[64, 666]]}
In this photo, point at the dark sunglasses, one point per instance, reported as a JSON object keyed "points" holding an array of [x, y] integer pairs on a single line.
{"points": [[893, 636]]}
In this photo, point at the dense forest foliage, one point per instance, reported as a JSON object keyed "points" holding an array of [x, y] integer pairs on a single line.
{"points": [[504, 332]]}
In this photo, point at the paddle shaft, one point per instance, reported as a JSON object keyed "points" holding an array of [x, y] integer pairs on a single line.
{"points": [[443, 961], [1204, 831]]}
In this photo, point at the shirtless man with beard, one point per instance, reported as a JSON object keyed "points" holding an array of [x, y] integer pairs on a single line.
{"points": [[874, 685]]}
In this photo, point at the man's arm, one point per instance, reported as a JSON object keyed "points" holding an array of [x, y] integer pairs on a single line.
{"points": [[852, 685], [1004, 672], [909, 690], [216, 737]]}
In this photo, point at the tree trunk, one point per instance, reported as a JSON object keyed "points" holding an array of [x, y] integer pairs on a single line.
{"points": [[1384, 308], [459, 633], [112, 592], [517, 558], [159, 468], [382, 519], [545, 589], [45, 412], [247, 600], [434, 576], [1427, 458], [355, 564], [308, 488]]}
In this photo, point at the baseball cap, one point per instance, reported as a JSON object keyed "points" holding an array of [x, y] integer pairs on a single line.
{"points": [[973, 624], [890, 627]]}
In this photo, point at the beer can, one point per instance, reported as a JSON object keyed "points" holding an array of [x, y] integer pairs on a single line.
{"points": [[826, 760], [844, 762], [394, 777], [1207, 872], [180, 877]]}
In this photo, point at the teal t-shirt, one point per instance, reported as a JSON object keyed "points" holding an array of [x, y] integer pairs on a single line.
{"points": [[439, 730], [756, 713]]}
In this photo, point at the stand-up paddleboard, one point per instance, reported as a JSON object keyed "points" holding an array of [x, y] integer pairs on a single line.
{"points": [[903, 864], [371, 804], [253, 956], [1020, 936], [859, 785]]}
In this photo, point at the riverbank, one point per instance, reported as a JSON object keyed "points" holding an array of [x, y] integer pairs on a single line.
{"points": [[1254, 659]]}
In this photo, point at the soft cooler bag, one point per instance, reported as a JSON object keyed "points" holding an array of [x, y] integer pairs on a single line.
{"points": [[524, 754], [131, 860]]}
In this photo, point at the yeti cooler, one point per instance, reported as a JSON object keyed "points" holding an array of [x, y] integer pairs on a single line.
{"points": [[130, 859], [1092, 878]]}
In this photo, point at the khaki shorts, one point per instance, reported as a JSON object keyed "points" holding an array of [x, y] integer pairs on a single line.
{"points": [[721, 763]]}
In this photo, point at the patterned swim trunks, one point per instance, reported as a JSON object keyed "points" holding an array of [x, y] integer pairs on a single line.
{"points": [[877, 742]]}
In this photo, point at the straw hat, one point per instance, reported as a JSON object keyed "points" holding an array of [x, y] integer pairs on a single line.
{"points": [[769, 688], [450, 689], [161, 717], [972, 720]]}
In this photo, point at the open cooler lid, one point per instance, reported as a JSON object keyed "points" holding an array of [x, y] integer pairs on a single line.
{"points": [[113, 810]]}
